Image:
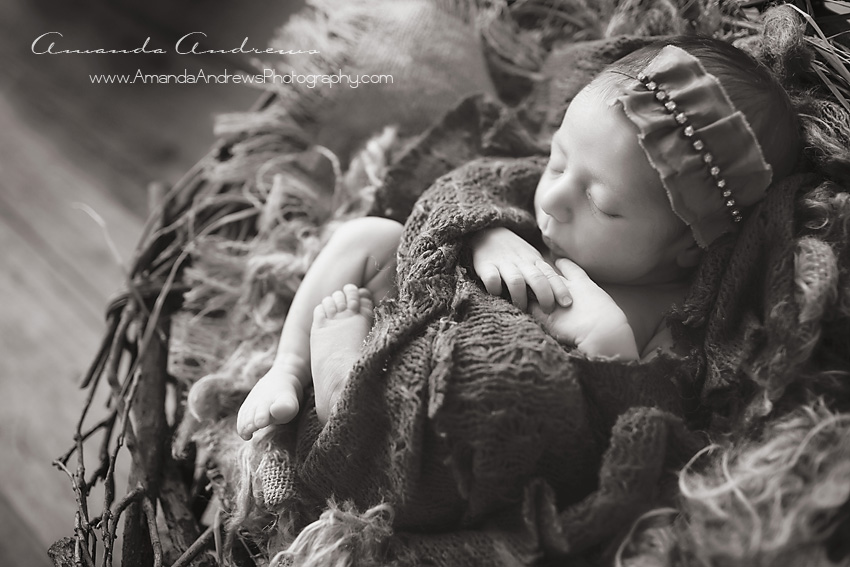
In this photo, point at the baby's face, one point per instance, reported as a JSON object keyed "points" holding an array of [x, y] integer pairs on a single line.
{"points": [[601, 204]]}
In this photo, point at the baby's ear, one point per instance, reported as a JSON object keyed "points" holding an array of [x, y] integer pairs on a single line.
{"points": [[689, 251]]}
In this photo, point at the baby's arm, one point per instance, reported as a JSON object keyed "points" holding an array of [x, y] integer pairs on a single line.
{"points": [[594, 323], [500, 255]]}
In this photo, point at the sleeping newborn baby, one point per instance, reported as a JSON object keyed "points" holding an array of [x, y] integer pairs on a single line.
{"points": [[656, 158]]}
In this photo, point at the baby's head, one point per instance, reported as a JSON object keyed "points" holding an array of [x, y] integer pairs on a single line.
{"points": [[660, 155]]}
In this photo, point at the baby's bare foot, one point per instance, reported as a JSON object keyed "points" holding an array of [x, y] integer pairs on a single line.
{"points": [[275, 399], [340, 323]]}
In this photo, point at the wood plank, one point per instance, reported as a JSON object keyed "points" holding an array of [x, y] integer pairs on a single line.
{"points": [[42, 192], [46, 341], [57, 274], [19, 546]]}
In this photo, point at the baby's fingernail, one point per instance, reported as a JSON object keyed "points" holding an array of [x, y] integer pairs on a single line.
{"points": [[565, 301]]}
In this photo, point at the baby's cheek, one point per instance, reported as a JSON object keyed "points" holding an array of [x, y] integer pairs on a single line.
{"points": [[618, 259]]}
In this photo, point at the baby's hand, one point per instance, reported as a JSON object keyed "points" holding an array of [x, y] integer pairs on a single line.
{"points": [[500, 255], [594, 323]]}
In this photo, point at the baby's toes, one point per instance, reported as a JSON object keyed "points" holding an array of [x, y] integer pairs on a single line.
{"points": [[319, 315], [352, 297], [247, 419], [367, 306], [284, 408], [242, 422], [329, 309], [340, 301], [262, 417]]}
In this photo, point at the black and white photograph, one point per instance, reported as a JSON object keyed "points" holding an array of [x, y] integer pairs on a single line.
{"points": [[362, 283]]}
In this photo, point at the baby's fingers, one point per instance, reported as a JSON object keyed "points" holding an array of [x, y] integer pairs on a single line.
{"points": [[515, 282], [556, 283], [537, 278], [570, 269], [491, 278]]}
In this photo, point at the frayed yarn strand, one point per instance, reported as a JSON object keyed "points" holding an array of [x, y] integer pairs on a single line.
{"points": [[816, 278], [635, 17], [650, 541], [826, 126], [783, 46], [773, 502], [341, 537]]}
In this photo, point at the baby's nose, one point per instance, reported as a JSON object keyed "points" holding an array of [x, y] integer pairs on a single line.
{"points": [[557, 205]]}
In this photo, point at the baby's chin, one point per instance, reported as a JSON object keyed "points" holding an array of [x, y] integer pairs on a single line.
{"points": [[599, 272]]}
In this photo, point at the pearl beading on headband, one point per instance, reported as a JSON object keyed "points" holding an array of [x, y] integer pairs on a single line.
{"points": [[688, 130]]}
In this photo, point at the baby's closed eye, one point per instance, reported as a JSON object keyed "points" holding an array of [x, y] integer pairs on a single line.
{"points": [[557, 159], [555, 166], [604, 209]]}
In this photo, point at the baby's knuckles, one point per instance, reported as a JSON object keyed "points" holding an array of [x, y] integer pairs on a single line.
{"points": [[593, 314]]}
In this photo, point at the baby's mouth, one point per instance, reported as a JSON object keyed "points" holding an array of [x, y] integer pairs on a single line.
{"points": [[544, 223], [554, 248]]}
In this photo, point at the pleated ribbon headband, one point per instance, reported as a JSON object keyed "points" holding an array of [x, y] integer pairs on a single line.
{"points": [[705, 151]]}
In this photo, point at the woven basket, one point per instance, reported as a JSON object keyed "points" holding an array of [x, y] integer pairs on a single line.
{"points": [[162, 511]]}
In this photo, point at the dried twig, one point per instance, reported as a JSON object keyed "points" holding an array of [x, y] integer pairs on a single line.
{"points": [[104, 423], [196, 548], [153, 532], [109, 524]]}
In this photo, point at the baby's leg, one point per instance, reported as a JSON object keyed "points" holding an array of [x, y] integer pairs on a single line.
{"points": [[360, 252]]}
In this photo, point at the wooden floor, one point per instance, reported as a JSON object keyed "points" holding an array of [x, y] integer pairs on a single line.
{"points": [[72, 152]]}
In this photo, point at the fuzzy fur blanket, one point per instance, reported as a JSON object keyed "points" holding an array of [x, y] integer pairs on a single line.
{"points": [[467, 435]]}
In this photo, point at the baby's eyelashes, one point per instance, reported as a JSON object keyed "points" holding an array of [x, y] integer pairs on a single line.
{"points": [[556, 163], [556, 170], [599, 209], [610, 215]]}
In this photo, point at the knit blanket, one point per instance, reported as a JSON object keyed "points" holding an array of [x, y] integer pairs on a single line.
{"points": [[467, 435]]}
